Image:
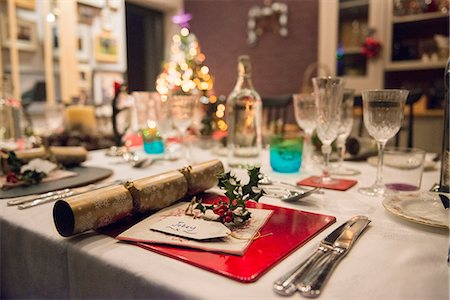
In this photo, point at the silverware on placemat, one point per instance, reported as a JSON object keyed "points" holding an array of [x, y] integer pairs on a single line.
{"points": [[287, 284], [36, 199]]}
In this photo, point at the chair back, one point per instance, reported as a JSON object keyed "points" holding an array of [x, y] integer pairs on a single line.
{"points": [[275, 112]]}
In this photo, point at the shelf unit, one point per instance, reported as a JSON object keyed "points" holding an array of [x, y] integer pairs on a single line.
{"points": [[413, 58], [343, 27]]}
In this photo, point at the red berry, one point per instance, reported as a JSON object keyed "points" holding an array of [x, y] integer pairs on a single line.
{"points": [[11, 177]]}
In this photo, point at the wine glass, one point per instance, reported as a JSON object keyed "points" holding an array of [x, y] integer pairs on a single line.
{"points": [[182, 112], [383, 114], [305, 115], [344, 131], [328, 97]]}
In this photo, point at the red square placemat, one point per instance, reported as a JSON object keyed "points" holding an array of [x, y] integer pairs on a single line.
{"points": [[285, 231], [341, 185]]}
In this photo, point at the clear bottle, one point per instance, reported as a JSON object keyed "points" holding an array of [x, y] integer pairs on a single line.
{"points": [[244, 120], [444, 182]]}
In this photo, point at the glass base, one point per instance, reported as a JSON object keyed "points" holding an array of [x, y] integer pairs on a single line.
{"points": [[326, 181], [345, 172], [374, 191]]}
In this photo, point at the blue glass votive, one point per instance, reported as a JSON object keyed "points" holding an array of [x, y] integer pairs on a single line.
{"points": [[286, 154]]}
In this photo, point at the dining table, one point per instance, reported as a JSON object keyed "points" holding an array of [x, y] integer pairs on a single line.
{"points": [[395, 258]]}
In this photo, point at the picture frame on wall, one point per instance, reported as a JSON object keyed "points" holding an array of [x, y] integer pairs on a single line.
{"points": [[26, 4], [93, 3], [27, 39], [106, 48], [85, 81], [83, 42], [104, 86]]}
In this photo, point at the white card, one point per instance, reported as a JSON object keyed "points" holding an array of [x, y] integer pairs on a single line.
{"points": [[188, 227]]}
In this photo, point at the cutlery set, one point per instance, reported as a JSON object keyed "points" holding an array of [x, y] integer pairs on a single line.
{"points": [[309, 277], [37, 199]]}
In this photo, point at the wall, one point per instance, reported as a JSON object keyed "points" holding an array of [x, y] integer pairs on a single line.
{"points": [[278, 63]]}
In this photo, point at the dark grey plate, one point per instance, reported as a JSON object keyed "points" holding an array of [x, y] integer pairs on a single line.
{"points": [[86, 175]]}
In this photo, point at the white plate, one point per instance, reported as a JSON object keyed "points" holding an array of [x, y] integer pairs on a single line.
{"points": [[423, 208]]}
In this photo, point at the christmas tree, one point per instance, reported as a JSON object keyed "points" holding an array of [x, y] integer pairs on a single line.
{"points": [[185, 73]]}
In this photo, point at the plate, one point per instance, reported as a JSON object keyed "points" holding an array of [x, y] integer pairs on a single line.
{"points": [[423, 208], [85, 175]]}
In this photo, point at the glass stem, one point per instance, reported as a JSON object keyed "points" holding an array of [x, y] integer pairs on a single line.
{"points": [[380, 145], [341, 151], [307, 149], [326, 150]]}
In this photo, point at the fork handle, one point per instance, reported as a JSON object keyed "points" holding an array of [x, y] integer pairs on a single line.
{"points": [[285, 285], [311, 287]]}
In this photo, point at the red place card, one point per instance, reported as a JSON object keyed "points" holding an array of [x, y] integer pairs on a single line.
{"points": [[341, 185], [285, 231]]}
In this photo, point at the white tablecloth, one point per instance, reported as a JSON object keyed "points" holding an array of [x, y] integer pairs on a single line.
{"points": [[394, 258]]}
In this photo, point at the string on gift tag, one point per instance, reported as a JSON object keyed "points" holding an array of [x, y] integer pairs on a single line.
{"points": [[257, 236]]}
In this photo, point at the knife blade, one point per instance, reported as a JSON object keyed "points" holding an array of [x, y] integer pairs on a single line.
{"points": [[285, 285], [311, 286], [28, 198], [71, 192]]}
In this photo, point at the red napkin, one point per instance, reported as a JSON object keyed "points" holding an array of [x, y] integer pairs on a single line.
{"points": [[340, 185]]}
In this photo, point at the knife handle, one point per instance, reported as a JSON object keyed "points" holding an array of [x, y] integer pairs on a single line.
{"points": [[285, 285], [311, 287]]}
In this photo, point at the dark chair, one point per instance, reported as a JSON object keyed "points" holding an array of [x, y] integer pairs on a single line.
{"points": [[276, 109], [413, 96]]}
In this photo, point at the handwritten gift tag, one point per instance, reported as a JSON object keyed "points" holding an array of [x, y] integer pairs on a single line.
{"points": [[191, 228]]}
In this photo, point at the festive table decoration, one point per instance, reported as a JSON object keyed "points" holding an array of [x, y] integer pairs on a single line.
{"points": [[234, 210], [106, 206]]}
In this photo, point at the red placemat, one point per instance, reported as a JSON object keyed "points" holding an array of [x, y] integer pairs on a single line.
{"points": [[288, 229], [341, 185]]}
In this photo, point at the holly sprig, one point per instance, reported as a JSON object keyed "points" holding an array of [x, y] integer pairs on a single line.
{"points": [[235, 209]]}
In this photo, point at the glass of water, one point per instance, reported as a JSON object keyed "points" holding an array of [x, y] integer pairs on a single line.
{"points": [[305, 115], [383, 115]]}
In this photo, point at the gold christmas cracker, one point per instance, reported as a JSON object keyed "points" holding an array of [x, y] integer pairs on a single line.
{"points": [[158, 191], [92, 210], [68, 156], [203, 176], [105, 206]]}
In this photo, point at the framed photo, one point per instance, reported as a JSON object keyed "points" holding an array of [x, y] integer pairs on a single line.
{"points": [[114, 4], [106, 48], [85, 80], [104, 86], [83, 42], [93, 3], [86, 14], [26, 4], [26, 34]]}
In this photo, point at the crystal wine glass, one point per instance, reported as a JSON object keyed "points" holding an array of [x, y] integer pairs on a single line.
{"points": [[383, 114], [305, 115], [344, 131], [182, 112], [328, 97]]}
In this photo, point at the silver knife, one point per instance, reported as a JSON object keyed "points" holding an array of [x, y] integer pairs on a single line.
{"points": [[28, 198], [312, 285], [285, 285], [72, 192]]}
